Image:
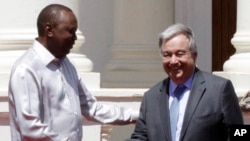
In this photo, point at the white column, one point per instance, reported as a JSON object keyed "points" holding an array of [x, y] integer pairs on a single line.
{"points": [[240, 61], [18, 30], [135, 61], [237, 68]]}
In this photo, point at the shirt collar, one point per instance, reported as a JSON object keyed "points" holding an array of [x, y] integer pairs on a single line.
{"points": [[43, 53], [188, 84]]}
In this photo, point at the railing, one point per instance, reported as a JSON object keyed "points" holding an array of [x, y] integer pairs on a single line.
{"points": [[91, 130]]}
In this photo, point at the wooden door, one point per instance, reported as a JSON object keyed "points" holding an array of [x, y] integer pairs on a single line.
{"points": [[223, 29]]}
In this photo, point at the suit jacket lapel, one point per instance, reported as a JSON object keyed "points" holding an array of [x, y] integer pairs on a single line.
{"points": [[164, 110], [196, 93]]}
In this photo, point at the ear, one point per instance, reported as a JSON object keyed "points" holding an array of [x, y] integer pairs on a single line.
{"points": [[195, 55], [49, 30]]}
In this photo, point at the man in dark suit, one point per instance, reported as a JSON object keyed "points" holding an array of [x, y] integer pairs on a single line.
{"points": [[207, 106]]}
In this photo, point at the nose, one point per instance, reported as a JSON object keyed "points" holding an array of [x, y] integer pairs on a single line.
{"points": [[173, 59]]}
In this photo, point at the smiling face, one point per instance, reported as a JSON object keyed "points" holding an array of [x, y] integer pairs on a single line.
{"points": [[62, 36], [178, 60]]}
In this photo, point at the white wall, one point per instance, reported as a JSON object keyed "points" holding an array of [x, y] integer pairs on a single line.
{"points": [[198, 15]]}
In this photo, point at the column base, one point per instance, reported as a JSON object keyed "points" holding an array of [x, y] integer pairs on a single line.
{"points": [[131, 79], [91, 79], [240, 81]]}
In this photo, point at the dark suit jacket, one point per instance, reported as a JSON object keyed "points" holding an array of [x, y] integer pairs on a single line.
{"points": [[211, 107]]}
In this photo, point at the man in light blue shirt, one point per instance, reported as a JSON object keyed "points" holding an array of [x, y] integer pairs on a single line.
{"points": [[207, 107]]}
